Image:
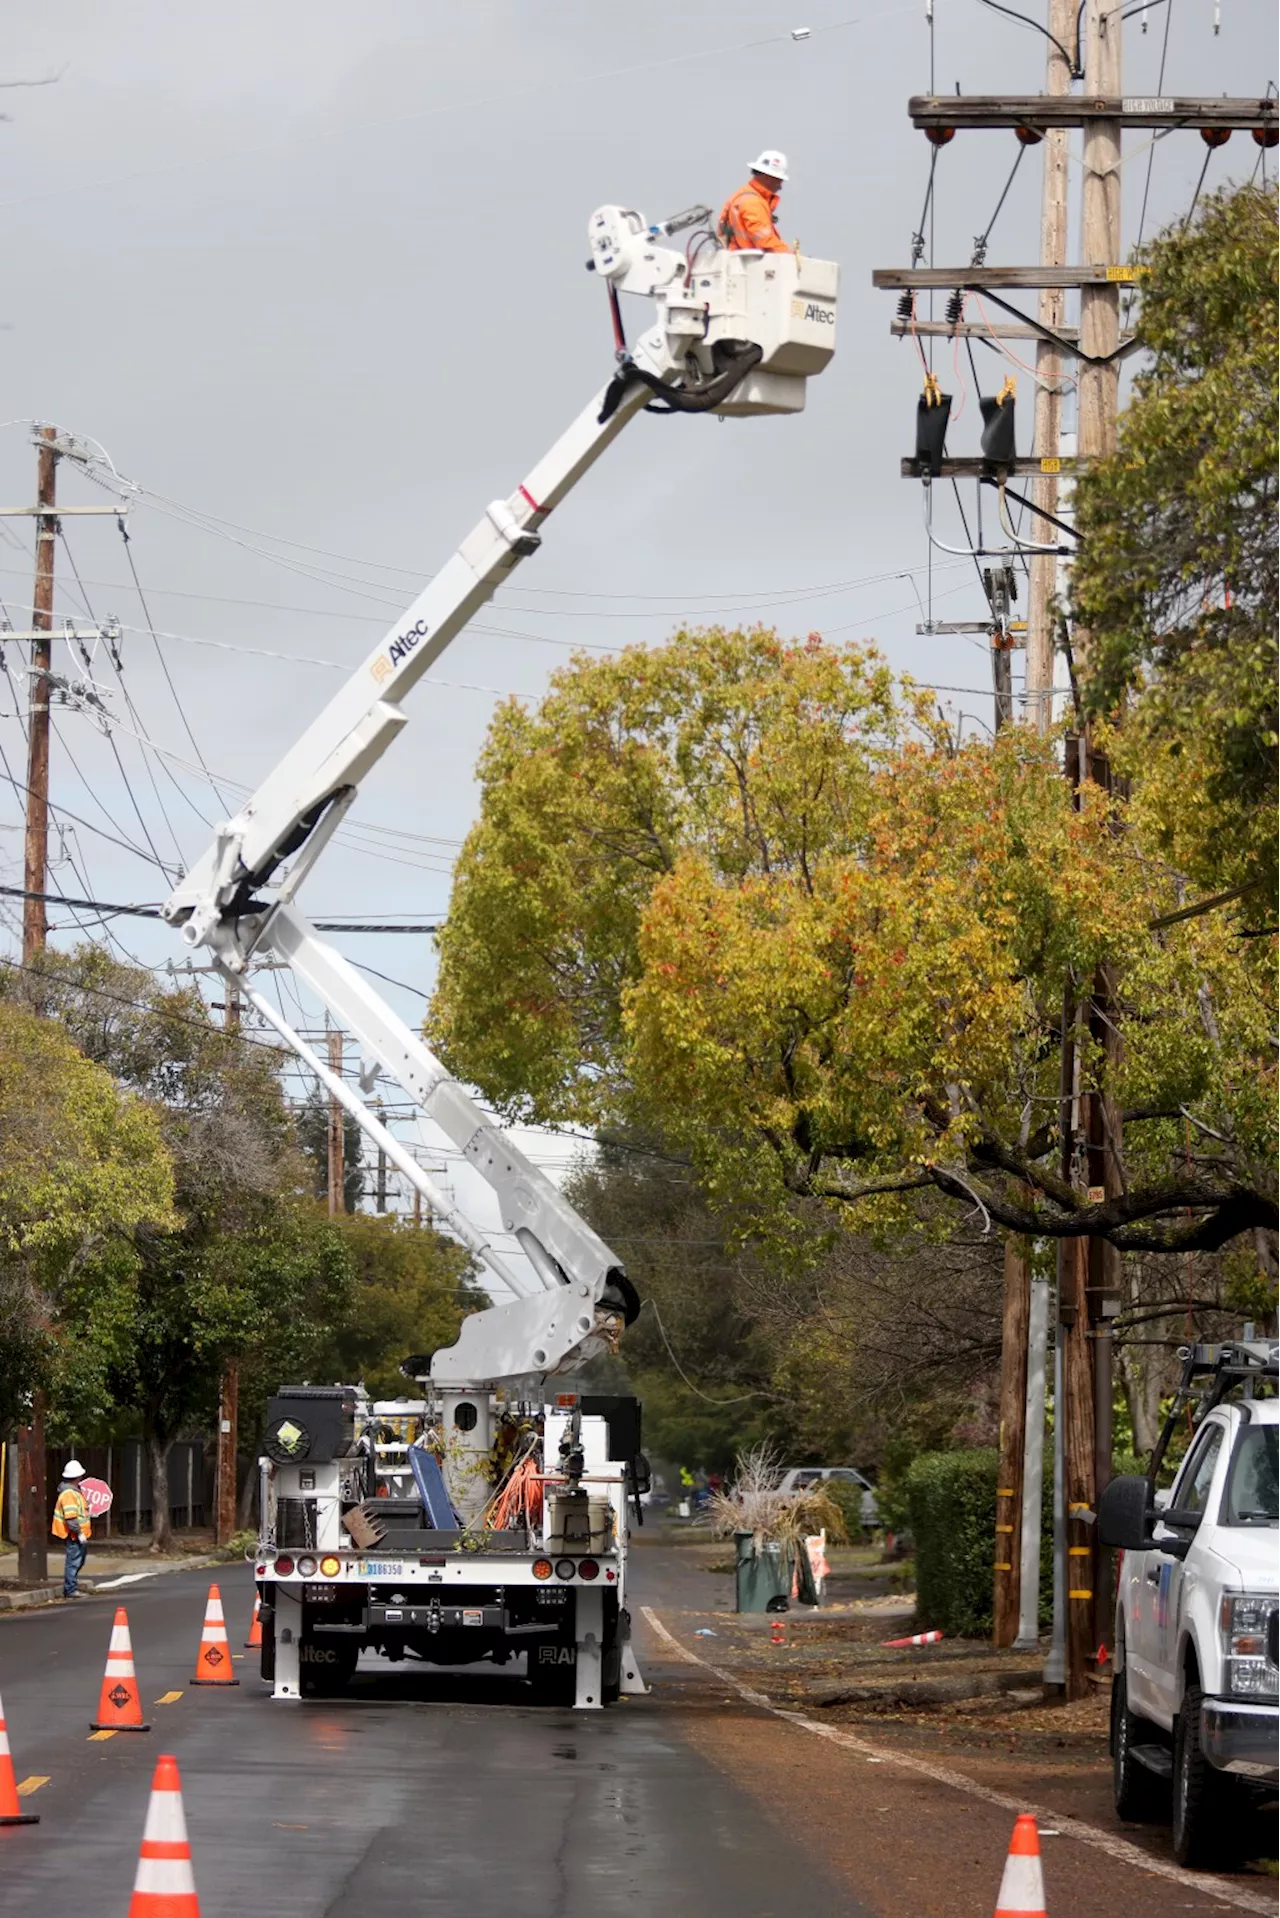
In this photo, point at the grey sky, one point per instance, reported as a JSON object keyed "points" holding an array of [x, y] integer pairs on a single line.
{"points": [[317, 270]]}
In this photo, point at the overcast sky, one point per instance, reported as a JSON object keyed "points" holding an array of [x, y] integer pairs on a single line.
{"points": [[315, 272]]}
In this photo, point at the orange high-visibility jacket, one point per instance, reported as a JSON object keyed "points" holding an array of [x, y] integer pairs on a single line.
{"points": [[70, 1504], [747, 220]]}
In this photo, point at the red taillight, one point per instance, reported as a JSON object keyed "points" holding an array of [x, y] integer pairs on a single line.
{"points": [[587, 1568], [284, 1565]]}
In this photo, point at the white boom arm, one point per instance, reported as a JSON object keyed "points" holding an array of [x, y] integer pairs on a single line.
{"points": [[739, 335]]}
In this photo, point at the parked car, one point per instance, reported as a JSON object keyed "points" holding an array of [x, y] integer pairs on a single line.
{"points": [[1195, 1711], [799, 1478]]}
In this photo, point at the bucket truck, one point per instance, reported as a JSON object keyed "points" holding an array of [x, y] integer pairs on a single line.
{"points": [[489, 1518]]}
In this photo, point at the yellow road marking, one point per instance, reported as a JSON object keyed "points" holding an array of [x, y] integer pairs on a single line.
{"points": [[29, 1785], [170, 1698], [95, 1737]]}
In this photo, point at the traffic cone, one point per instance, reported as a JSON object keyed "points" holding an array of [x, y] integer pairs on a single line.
{"points": [[164, 1886], [917, 1638], [11, 1812], [119, 1706], [254, 1639], [1022, 1887], [777, 1633], [213, 1660]]}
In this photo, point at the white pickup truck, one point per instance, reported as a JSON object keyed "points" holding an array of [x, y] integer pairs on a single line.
{"points": [[1194, 1697]]}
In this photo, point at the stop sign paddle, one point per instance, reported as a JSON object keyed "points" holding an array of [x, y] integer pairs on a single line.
{"points": [[97, 1496]]}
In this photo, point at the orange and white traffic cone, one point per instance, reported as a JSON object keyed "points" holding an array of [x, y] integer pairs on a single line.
{"points": [[1022, 1887], [11, 1812], [164, 1886], [213, 1660], [119, 1706], [254, 1639]]}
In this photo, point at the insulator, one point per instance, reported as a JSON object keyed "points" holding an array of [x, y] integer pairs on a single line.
{"points": [[955, 308], [939, 136], [1028, 136], [1266, 136], [1215, 136], [906, 305]]}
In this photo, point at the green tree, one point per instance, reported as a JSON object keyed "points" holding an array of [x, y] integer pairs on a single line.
{"points": [[83, 1167], [730, 889], [1176, 578], [311, 1120], [252, 1267], [411, 1288]]}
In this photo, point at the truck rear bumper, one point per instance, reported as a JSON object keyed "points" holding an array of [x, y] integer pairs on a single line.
{"points": [[1241, 1738]]}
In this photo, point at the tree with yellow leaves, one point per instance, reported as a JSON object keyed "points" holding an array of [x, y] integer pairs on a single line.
{"points": [[742, 891]]}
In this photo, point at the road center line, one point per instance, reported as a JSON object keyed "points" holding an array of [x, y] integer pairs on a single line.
{"points": [[29, 1785], [1068, 1827], [170, 1698], [95, 1738]]}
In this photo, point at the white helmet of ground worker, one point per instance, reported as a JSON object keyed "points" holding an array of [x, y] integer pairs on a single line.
{"points": [[73, 1469], [773, 163]]}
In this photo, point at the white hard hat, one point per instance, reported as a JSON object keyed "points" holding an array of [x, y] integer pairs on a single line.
{"points": [[73, 1469], [773, 163]]}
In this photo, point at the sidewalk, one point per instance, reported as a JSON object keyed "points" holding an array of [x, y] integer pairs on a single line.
{"points": [[110, 1560]]}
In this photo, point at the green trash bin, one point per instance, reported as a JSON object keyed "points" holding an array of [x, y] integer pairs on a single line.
{"points": [[763, 1578]]}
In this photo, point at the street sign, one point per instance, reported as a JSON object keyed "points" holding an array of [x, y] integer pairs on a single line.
{"points": [[97, 1496]]}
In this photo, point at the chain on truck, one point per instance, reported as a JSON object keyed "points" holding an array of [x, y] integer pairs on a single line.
{"points": [[491, 1515]]}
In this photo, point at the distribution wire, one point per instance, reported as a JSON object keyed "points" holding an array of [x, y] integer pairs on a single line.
{"points": [[84, 600], [164, 664]]}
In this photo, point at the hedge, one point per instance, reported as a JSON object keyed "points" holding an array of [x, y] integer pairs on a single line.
{"points": [[951, 1497]]}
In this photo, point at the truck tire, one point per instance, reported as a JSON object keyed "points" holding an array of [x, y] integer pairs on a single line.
{"points": [[1140, 1796], [1203, 1814]]}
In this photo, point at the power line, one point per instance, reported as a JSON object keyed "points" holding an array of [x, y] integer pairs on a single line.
{"points": [[154, 912]]}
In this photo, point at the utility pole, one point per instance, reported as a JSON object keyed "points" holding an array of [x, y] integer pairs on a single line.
{"points": [[380, 1173], [1015, 1414], [224, 1522], [1096, 1275], [337, 1139], [1091, 1141], [1048, 400], [30, 1449], [36, 842]]}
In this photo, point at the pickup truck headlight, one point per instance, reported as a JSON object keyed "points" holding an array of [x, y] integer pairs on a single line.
{"points": [[1248, 1641]]}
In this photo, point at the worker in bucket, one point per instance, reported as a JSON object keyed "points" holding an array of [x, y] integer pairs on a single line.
{"points": [[747, 217], [71, 1522]]}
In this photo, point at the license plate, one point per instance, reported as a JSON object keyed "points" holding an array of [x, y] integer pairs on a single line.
{"points": [[380, 1568]]}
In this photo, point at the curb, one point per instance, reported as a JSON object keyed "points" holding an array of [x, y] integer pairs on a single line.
{"points": [[28, 1601]]}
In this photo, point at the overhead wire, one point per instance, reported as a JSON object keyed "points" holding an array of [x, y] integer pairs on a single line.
{"points": [[108, 721], [329, 131], [164, 664]]}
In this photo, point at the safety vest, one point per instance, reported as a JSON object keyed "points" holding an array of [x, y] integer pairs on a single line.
{"points": [[70, 1505], [747, 220]]}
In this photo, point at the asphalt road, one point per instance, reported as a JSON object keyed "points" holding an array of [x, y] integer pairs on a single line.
{"points": [[434, 1800], [423, 1796]]}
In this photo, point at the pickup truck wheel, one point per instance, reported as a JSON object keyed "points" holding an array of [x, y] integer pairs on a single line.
{"points": [[1202, 1817], [1139, 1794]]}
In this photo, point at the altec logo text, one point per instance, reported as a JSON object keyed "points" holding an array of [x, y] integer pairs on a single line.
{"points": [[403, 644], [810, 310]]}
